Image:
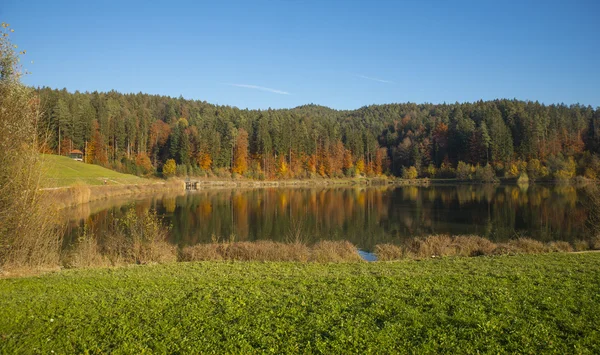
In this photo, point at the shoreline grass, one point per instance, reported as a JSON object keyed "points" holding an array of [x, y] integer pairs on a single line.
{"points": [[546, 303], [117, 249]]}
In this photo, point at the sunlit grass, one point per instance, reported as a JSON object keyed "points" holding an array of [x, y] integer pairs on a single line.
{"points": [[62, 171], [545, 303]]}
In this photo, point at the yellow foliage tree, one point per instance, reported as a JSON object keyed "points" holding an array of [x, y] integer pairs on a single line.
{"points": [[514, 170], [410, 173], [240, 160], [170, 168], [360, 166], [282, 167]]}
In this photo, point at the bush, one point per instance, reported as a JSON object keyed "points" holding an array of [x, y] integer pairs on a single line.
{"points": [[446, 171], [513, 171], [463, 171], [535, 170], [485, 173], [523, 179], [431, 171], [410, 173], [135, 238], [169, 169]]}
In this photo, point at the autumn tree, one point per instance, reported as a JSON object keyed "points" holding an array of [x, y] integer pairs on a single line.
{"points": [[240, 160], [204, 161], [360, 166], [96, 149], [381, 161], [142, 161], [170, 168], [410, 173]]}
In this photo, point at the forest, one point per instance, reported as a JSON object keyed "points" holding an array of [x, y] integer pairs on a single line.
{"points": [[157, 135]]}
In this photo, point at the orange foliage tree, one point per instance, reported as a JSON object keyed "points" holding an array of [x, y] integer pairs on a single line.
{"points": [[380, 163], [204, 161], [65, 146], [159, 134], [348, 164], [143, 162], [96, 151]]}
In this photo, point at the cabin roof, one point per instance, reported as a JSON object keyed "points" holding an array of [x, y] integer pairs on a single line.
{"points": [[76, 151]]}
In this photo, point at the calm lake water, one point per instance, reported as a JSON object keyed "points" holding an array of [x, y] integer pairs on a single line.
{"points": [[366, 216]]}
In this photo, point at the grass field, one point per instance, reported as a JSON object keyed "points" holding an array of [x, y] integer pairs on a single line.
{"points": [[519, 304], [62, 171]]}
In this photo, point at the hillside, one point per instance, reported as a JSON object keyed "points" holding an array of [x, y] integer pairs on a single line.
{"points": [[62, 171], [306, 141]]}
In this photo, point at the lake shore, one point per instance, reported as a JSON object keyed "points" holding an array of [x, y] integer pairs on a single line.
{"points": [[525, 303], [68, 196]]}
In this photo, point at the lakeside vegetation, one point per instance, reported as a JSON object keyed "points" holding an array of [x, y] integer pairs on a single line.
{"points": [[519, 304], [139, 237]]}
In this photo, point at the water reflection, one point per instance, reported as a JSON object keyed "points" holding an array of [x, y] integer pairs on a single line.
{"points": [[366, 216]]}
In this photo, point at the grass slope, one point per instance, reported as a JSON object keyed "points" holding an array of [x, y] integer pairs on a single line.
{"points": [[62, 171], [521, 304]]}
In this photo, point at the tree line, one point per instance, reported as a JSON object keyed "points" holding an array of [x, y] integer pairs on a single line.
{"points": [[151, 134]]}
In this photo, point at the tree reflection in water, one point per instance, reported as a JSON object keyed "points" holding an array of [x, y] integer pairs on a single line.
{"points": [[364, 215]]}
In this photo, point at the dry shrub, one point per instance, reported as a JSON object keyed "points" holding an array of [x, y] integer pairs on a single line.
{"points": [[387, 252], [505, 249], [142, 239], [443, 245], [595, 242], [132, 239], [265, 251], [581, 245], [29, 237], [325, 251], [560, 247], [86, 253], [473, 245], [334, 251], [528, 246], [432, 246], [202, 252]]}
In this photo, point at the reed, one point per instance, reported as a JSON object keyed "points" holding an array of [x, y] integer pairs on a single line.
{"points": [[465, 246], [323, 251]]}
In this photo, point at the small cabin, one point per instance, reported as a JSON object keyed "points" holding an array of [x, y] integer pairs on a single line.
{"points": [[76, 154]]}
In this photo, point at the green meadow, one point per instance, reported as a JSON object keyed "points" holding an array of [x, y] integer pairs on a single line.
{"points": [[548, 303], [59, 171]]}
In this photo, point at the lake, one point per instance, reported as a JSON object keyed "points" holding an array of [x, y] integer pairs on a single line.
{"points": [[365, 216]]}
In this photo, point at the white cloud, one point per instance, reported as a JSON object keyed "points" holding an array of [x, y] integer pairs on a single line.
{"points": [[374, 79], [261, 88]]}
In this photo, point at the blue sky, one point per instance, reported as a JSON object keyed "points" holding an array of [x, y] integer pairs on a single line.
{"points": [[341, 54]]}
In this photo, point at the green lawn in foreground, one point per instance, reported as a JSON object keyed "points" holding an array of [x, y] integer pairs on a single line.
{"points": [[63, 171], [519, 304]]}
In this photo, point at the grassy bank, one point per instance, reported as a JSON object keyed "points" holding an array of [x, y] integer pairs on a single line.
{"points": [[69, 182], [60, 171], [522, 304]]}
